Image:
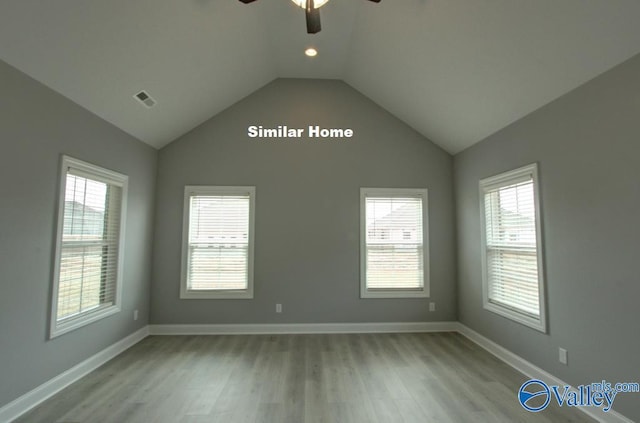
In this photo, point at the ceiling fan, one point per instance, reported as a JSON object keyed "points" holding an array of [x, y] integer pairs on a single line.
{"points": [[312, 12]]}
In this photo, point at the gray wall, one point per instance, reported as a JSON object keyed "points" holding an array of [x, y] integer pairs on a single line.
{"points": [[307, 233], [307, 207], [587, 144], [36, 126]]}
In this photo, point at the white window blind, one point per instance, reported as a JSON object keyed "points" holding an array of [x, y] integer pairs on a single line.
{"points": [[512, 260], [88, 254], [219, 241], [394, 249]]}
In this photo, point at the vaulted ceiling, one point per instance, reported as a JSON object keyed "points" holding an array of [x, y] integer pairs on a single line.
{"points": [[454, 70]]}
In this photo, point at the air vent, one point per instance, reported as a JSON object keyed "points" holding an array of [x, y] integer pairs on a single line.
{"points": [[144, 98]]}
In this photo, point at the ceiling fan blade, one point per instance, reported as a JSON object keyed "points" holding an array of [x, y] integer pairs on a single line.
{"points": [[375, 1], [247, 1], [313, 18]]}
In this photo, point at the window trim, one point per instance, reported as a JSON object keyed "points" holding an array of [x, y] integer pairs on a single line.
{"points": [[194, 190], [495, 182], [97, 173], [394, 293]]}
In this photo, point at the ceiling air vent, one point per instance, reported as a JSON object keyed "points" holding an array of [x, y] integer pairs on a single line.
{"points": [[145, 98]]}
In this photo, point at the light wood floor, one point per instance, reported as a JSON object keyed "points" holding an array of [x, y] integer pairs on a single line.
{"points": [[440, 377]]}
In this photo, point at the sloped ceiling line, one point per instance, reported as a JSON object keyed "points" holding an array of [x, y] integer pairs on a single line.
{"points": [[455, 70]]}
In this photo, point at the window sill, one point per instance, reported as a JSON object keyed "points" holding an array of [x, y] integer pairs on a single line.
{"points": [[76, 322], [395, 293], [537, 324], [216, 295]]}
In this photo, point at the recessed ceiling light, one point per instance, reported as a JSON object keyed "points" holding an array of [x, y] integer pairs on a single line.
{"points": [[311, 52]]}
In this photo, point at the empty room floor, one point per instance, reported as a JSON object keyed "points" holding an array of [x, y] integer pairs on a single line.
{"points": [[412, 377]]}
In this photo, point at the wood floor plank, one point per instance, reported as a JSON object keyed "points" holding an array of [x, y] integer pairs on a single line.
{"points": [[369, 378]]}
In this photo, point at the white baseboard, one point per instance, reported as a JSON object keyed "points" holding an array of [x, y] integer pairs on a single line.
{"points": [[31, 399], [302, 328], [534, 372], [34, 397]]}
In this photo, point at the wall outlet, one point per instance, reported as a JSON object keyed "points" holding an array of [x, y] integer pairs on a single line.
{"points": [[135, 314], [562, 355], [432, 306], [278, 308]]}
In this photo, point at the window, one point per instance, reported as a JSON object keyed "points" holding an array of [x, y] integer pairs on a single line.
{"points": [[512, 250], [394, 247], [217, 256], [88, 261]]}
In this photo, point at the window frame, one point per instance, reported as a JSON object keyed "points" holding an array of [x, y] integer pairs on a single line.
{"points": [[203, 190], [366, 292], [100, 174], [494, 183]]}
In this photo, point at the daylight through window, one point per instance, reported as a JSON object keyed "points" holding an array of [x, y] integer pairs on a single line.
{"points": [[394, 259], [89, 242], [218, 250], [512, 277]]}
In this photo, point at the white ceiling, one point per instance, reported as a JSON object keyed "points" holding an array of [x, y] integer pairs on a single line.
{"points": [[455, 70]]}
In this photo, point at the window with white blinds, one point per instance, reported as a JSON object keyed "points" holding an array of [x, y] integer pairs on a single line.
{"points": [[218, 242], [89, 245], [513, 283], [393, 251]]}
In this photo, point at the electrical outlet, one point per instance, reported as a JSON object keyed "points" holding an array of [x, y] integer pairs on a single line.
{"points": [[562, 355], [135, 314], [278, 308], [432, 306]]}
